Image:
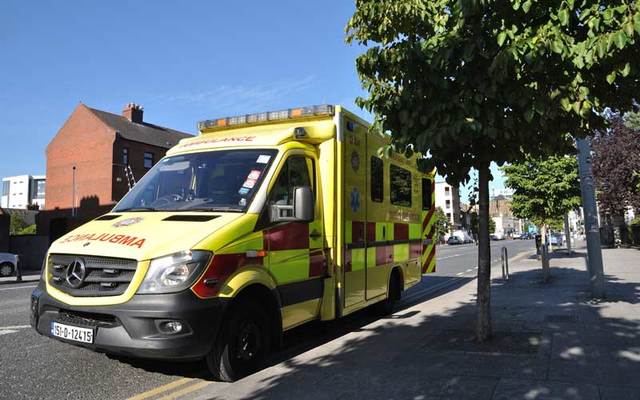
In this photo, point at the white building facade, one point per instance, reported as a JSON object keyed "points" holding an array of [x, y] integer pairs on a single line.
{"points": [[448, 198], [23, 190]]}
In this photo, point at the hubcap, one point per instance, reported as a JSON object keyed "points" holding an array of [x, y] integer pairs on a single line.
{"points": [[248, 342], [5, 270]]}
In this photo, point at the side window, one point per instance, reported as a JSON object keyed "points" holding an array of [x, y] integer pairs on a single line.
{"points": [[400, 186], [377, 180], [294, 173], [426, 194]]}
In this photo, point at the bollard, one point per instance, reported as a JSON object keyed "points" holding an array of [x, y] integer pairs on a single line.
{"points": [[18, 270], [505, 263]]}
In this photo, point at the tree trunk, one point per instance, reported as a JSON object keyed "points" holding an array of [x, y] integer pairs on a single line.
{"points": [[567, 232], [483, 302], [544, 251]]}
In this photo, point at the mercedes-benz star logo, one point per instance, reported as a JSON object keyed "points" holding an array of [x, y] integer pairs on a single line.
{"points": [[76, 273]]}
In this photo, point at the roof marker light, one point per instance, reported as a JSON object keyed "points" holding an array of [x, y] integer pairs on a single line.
{"points": [[257, 118]]}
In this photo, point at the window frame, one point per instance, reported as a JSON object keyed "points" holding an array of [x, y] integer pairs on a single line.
{"points": [[391, 185], [374, 182], [145, 158]]}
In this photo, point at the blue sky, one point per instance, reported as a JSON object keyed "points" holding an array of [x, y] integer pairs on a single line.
{"points": [[183, 61]]}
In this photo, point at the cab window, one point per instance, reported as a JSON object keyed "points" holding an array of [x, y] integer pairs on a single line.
{"points": [[294, 173]]}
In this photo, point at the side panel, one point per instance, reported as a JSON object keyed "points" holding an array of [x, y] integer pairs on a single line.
{"points": [[428, 258], [354, 190]]}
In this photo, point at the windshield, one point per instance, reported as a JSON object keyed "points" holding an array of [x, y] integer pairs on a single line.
{"points": [[224, 180]]}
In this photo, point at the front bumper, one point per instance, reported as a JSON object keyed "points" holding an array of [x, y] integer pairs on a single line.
{"points": [[134, 328]]}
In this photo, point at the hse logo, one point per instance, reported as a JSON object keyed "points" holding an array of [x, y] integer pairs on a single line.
{"points": [[127, 222], [124, 240]]}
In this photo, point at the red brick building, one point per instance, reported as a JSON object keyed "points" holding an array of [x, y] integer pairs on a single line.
{"points": [[95, 146]]}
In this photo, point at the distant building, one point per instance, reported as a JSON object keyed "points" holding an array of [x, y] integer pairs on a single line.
{"points": [[448, 198], [22, 191], [86, 160], [500, 212]]}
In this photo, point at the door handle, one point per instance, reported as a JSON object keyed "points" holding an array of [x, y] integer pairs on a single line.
{"points": [[315, 235]]}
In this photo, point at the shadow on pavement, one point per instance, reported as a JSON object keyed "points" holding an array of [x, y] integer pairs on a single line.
{"points": [[548, 343], [314, 334]]}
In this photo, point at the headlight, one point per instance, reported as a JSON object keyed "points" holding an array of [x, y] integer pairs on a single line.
{"points": [[174, 272]]}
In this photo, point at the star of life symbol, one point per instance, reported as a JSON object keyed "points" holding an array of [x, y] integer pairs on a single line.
{"points": [[355, 199]]}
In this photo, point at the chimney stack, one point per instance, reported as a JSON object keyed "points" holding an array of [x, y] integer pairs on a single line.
{"points": [[133, 112]]}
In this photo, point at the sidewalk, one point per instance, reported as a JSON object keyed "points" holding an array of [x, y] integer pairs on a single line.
{"points": [[550, 342]]}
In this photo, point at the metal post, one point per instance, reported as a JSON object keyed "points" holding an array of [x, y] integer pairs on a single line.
{"points": [[505, 263], [18, 270], [73, 192], [567, 232], [592, 231]]}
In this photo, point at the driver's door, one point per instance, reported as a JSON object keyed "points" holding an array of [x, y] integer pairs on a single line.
{"points": [[296, 256]]}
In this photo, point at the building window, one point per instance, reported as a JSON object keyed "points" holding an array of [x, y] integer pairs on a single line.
{"points": [[400, 186], [447, 190], [447, 204], [125, 156], [426, 194], [377, 180], [40, 185], [6, 186], [148, 160], [449, 216]]}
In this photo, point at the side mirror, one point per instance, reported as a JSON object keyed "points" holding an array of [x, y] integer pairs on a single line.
{"points": [[300, 211]]}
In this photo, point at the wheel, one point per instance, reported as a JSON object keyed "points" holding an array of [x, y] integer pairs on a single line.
{"points": [[6, 269], [243, 343], [387, 306]]}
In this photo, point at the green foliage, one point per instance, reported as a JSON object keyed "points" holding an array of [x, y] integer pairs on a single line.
{"points": [[475, 221], [441, 224], [544, 189], [632, 120], [473, 81], [16, 224], [28, 230]]}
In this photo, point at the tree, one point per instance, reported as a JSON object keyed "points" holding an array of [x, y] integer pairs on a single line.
{"points": [[475, 221], [441, 224], [467, 82], [544, 191], [615, 161], [16, 223]]}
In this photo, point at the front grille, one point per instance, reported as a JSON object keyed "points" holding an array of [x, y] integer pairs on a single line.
{"points": [[103, 276], [87, 319]]}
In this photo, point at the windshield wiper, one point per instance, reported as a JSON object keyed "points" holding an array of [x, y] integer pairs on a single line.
{"points": [[220, 209], [136, 209]]}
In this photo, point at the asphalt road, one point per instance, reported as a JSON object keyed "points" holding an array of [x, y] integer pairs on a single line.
{"points": [[32, 366]]}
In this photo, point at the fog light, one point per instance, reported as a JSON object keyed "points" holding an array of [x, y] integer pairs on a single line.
{"points": [[172, 327]]}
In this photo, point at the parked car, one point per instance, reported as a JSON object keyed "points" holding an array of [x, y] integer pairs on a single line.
{"points": [[497, 236], [454, 240], [556, 239], [8, 264], [524, 236]]}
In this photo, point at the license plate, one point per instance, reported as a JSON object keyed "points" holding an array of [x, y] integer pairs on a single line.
{"points": [[75, 333]]}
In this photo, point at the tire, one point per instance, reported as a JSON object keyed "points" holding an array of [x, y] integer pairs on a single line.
{"points": [[6, 269], [387, 306], [242, 344]]}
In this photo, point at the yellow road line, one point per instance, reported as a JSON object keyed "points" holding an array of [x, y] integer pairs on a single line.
{"points": [[186, 390], [161, 389]]}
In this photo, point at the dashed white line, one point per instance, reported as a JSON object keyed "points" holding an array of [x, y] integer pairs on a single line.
{"points": [[459, 273], [15, 288]]}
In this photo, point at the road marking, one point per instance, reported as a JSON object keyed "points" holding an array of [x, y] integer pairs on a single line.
{"points": [[444, 258], [469, 270], [161, 389], [460, 273], [5, 330], [186, 390], [14, 288]]}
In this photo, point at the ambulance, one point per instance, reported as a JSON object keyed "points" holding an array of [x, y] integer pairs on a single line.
{"points": [[259, 224]]}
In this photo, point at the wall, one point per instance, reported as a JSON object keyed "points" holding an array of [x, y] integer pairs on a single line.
{"points": [[136, 161], [86, 142], [32, 250]]}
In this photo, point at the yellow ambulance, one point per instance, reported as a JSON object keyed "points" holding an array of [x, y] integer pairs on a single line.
{"points": [[259, 224]]}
